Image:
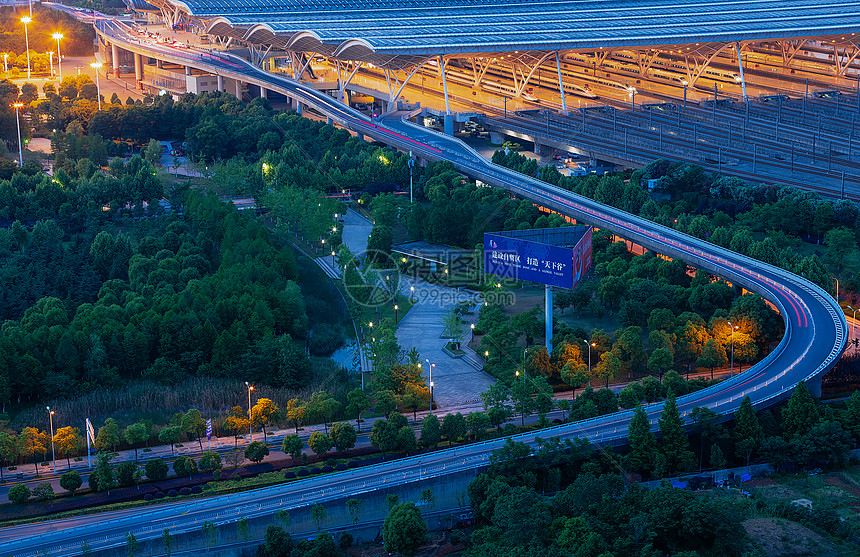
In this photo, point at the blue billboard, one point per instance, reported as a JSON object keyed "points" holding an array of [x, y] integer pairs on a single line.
{"points": [[537, 262]]}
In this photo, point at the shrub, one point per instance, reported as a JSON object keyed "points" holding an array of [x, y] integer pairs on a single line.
{"points": [[303, 472], [71, 481], [352, 464], [125, 473], [315, 470], [148, 497], [327, 469], [340, 467], [196, 489], [289, 474], [172, 493], [156, 469], [43, 491], [344, 540], [159, 495], [185, 491], [19, 493], [184, 466]]}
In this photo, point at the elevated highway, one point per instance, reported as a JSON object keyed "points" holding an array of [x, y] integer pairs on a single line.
{"points": [[815, 337]]}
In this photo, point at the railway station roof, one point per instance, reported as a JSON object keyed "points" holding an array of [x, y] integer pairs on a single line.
{"points": [[374, 29]]}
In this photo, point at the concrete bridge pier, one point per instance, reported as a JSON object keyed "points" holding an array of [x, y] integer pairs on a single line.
{"points": [[328, 120], [138, 67], [814, 386], [497, 138], [263, 93], [221, 84], [114, 59], [238, 89], [298, 107], [360, 136], [449, 124]]}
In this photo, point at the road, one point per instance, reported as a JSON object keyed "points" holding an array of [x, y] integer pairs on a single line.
{"points": [[815, 336]]}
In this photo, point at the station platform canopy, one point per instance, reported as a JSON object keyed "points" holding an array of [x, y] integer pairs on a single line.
{"points": [[396, 32]]}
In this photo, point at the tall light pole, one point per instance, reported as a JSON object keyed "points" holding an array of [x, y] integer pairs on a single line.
{"points": [[53, 452], [250, 431], [59, 36], [6, 64], [685, 83], [395, 314], [589, 344], [732, 368], [430, 372], [50, 54], [412, 163], [18, 121], [853, 320], [632, 91], [25, 20], [96, 66]]}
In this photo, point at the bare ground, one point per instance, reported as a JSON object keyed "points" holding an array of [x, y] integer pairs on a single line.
{"points": [[782, 538]]}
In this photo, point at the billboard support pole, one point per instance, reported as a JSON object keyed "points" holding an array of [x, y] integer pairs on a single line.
{"points": [[548, 317]]}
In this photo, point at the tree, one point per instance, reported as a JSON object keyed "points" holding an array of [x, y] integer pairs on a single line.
{"points": [[521, 396], [322, 407], [71, 481], [404, 530], [19, 493], [319, 515], [292, 445], [67, 441], [320, 443], [709, 430], [103, 477], [256, 451], [125, 473], [277, 542], [33, 443], [477, 423], [431, 431], [358, 401], [800, 414], [8, 450], [841, 242], [383, 436], [295, 412], [354, 508], [643, 445], [344, 436], [673, 441], [153, 152], [134, 434], [167, 540], [193, 425], [156, 469], [609, 367], [713, 355], [263, 413], [454, 427], [661, 360], [748, 433], [236, 423], [210, 461], [184, 466], [108, 436], [170, 435], [406, 440]]}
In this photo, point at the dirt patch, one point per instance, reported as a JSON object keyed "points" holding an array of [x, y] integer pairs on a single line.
{"points": [[779, 491], [760, 482], [845, 483], [782, 538]]}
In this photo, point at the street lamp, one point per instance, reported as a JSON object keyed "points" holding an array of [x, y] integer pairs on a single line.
{"points": [[53, 452], [412, 294], [6, 64], [18, 121], [51, 58], [395, 314], [59, 36], [25, 20], [632, 91], [685, 83], [430, 373], [96, 66], [250, 431], [853, 318], [589, 344], [732, 368]]}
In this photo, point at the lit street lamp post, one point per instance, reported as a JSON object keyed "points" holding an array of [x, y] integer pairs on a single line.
{"points": [[430, 373], [732, 366], [685, 83], [853, 318], [589, 344], [25, 20], [53, 452], [18, 121], [96, 66], [6, 64], [395, 314], [632, 92], [59, 36], [250, 430]]}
